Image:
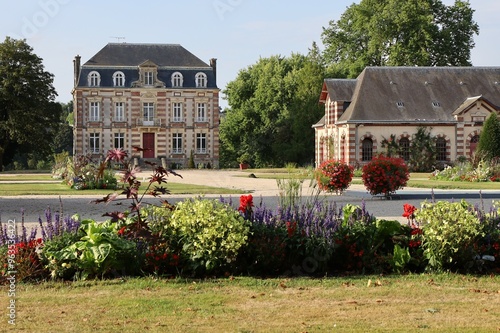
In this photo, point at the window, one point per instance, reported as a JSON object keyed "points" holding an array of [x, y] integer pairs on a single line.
{"points": [[436, 104], [118, 79], [201, 143], [94, 79], [441, 149], [177, 143], [201, 80], [177, 80], [94, 111], [94, 143], [400, 104], [148, 112], [119, 111], [177, 112], [367, 150], [200, 112], [404, 149], [148, 78], [119, 141]]}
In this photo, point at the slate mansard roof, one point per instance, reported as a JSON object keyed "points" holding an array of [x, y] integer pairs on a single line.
{"points": [[413, 94], [126, 57]]}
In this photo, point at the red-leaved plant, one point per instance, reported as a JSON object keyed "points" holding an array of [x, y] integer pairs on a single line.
{"points": [[385, 175], [334, 176]]}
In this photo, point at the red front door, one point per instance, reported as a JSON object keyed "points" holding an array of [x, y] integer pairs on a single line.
{"points": [[148, 143]]}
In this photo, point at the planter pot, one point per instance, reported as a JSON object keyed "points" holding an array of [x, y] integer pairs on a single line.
{"points": [[243, 166]]}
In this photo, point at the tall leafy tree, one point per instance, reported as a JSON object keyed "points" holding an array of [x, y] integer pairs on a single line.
{"points": [[399, 33], [63, 138], [489, 140], [28, 114], [272, 106]]}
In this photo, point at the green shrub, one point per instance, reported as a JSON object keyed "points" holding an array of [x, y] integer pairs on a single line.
{"points": [[211, 232], [450, 230]]}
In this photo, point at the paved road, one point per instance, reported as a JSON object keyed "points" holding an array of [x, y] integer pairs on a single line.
{"points": [[265, 189]]}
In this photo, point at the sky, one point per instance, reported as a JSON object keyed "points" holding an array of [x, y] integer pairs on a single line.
{"points": [[236, 32]]}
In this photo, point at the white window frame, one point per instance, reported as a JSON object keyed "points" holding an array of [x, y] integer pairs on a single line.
{"points": [[94, 79], [118, 79], [149, 78], [201, 112], [119, 140], [201, 143], [119, 111], [177, 112], [201, 80], [94, 112], [177, 143], [148, 113], [177, 80], [94, 143]]}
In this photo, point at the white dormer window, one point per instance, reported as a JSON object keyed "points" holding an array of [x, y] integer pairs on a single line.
{"points": [[94, 79], [201, 80], [177, 80], [118, 79], [148, 78], [400, 104], [436, 104]]}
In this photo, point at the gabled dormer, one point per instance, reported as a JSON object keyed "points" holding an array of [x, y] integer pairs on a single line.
{"points": [[148, 76], [474, 110]]}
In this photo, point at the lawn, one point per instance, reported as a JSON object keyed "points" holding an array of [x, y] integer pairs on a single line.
{"points": [[408, 303]]}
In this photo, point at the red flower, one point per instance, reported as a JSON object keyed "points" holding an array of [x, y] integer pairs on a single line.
{"points": [[409, 210], [246, 203], [122, 230], [291, 227]]}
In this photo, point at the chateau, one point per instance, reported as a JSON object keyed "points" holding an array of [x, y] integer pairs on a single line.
{"points": [[452, 102], [158, 97]]}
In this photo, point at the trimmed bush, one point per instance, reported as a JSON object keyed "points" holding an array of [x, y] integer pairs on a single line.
{"points": [[385, 175], [334, 176]]}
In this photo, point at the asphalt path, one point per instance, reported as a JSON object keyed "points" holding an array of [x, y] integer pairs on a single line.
{"points": [[265, 190]]}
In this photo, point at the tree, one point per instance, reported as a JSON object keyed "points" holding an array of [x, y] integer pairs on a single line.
{"points": [[399, 33], [63, 138], [422, 150], [272, 106], [28, 114], [489, 140]]}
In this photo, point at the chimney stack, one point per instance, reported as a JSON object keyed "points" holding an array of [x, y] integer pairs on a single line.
{"points": [[213, 64], [76, 68]]}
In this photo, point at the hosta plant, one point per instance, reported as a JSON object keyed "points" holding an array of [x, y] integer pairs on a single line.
{"points": [[334, 176], [385, 175]]}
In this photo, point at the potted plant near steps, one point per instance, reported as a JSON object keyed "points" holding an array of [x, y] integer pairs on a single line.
{"points": [[244, 161]]}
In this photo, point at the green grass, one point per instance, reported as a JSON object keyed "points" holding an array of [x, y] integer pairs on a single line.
{"points": [[408, 303]]}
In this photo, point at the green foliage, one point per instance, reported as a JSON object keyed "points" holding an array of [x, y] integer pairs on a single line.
{"points": [[399, 33], [489, 140], [211, 232], [28, 113], [422, 151], [400, 259], [99, 251], [272, 105], [449, 231], [466, 171], [191, 161]]}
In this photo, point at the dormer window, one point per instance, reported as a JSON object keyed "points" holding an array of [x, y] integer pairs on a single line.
{"points": [[400, 104], [118, 79], [436, 104], [177, 80], [148, 78], [201, 80], [94, 79]]}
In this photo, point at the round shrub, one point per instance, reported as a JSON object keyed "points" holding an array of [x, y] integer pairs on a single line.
{"points": [[450, 230], [334, 176], [385, 175], [210, 231]]}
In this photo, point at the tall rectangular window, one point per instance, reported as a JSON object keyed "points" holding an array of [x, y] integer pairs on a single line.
{"points": [[201, 143], [148, 78], [148, 111], [119, 140], [177, 143], [94, 143], [201, 112], [94, 111], [119, 111], [177, 112]]}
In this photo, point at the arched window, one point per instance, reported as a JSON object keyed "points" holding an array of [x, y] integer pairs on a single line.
{"points": [[473, 144], [177, 79], [404, 149], [94, 79], [201, 80], [367, 150], [441, 149], [118, 79]]}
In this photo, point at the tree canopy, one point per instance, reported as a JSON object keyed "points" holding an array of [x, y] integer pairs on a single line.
{"points": [[489, 140], [28, 113], [399, 33], [272, 106]]}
